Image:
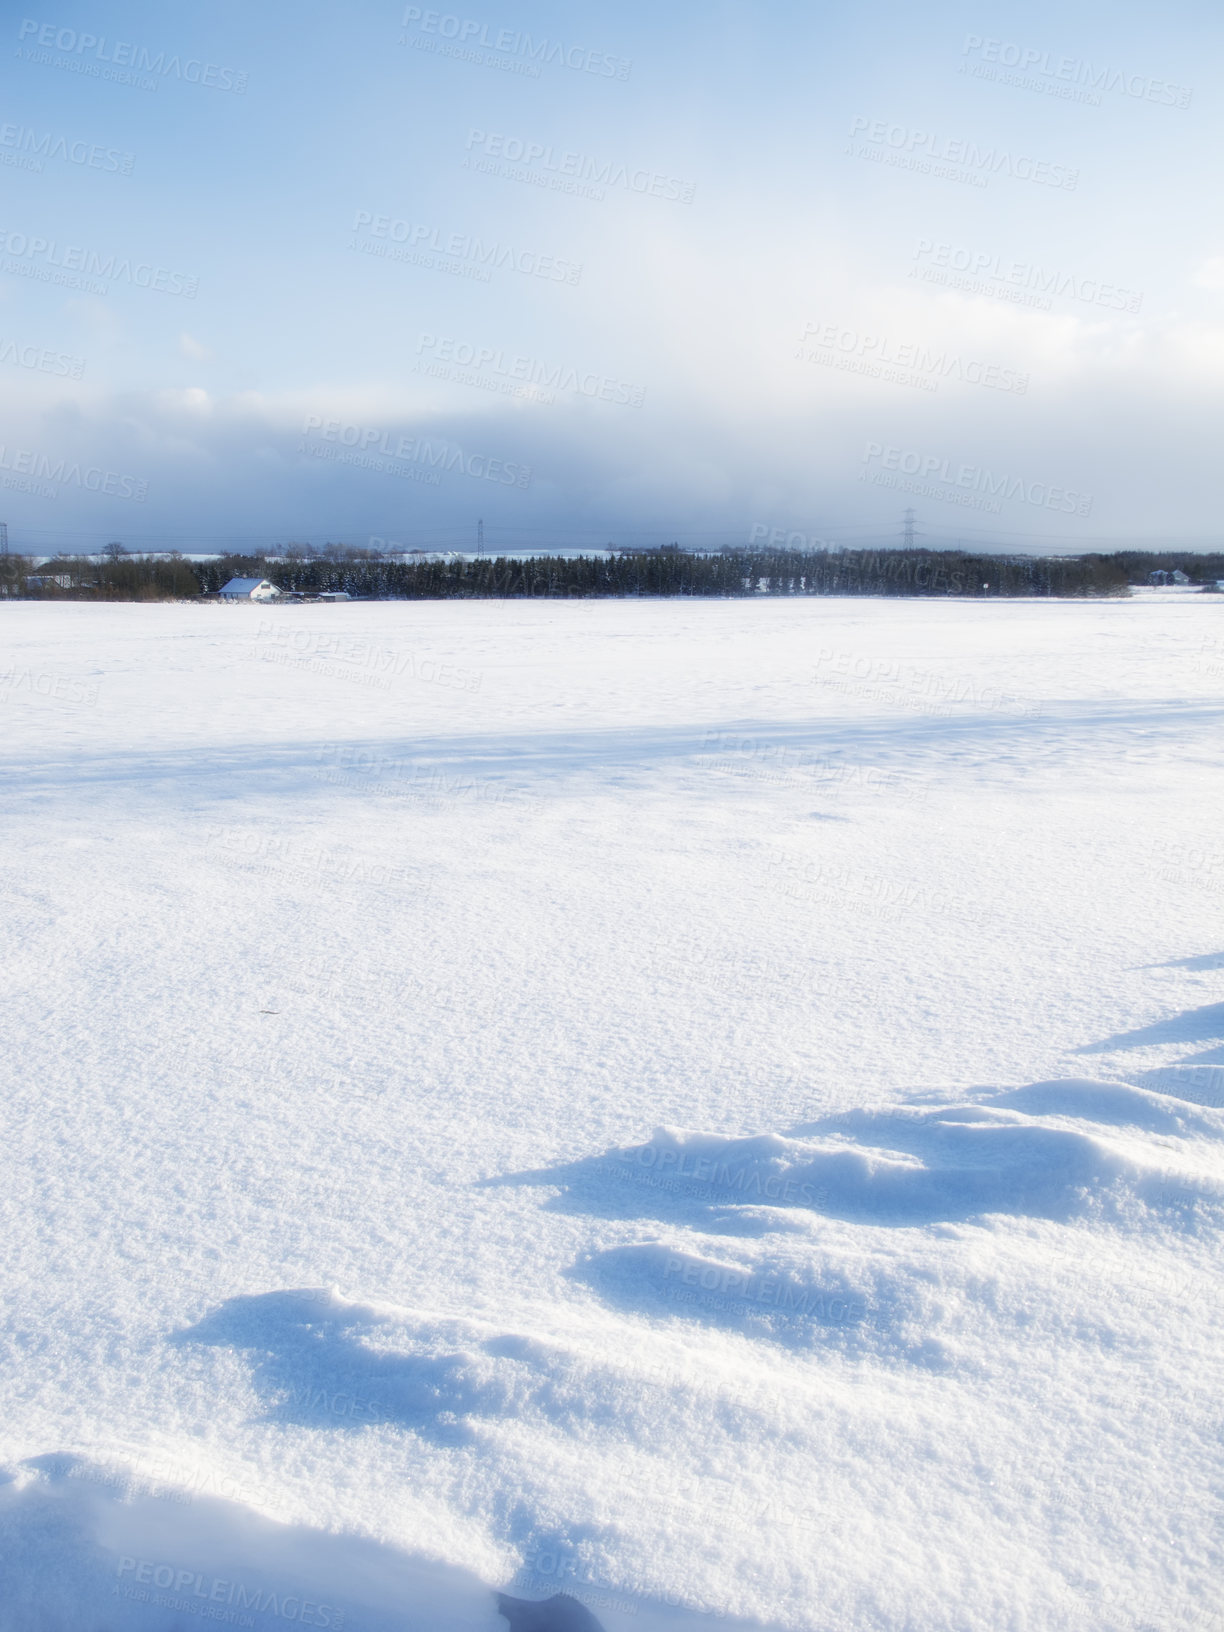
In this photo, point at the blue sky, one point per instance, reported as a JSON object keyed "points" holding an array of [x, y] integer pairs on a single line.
{"points": [[590, 273]]}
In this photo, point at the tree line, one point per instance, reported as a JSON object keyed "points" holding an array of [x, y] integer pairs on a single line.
{"points": [[674, 572], [662, 572], [116, 578]]}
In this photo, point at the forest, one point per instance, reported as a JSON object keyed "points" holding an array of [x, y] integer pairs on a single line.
{"points": [[669, 571]]}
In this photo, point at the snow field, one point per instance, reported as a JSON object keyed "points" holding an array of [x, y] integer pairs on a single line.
{"points": [[564, 1098]]}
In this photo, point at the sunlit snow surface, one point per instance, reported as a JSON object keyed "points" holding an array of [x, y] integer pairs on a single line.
{"points": [[713, 1109]]}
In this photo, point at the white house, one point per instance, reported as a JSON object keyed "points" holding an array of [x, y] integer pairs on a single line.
{"points": [[249, 589]]}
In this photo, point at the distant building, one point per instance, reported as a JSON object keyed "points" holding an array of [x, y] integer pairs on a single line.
{"points": [[249, 589], [333, 595]]}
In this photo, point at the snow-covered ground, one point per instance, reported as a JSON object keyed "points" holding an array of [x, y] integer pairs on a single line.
{"points": [[714, 1108]]}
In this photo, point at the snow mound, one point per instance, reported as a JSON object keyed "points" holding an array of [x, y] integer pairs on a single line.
{"points": [[1118, 1104], [131, 1549], [320, 1360], [1101, 1163], [1200, 1084], [78, 1556], [768, 1296], [1051, 1150]]}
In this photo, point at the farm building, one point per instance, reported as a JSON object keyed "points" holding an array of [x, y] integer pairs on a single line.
{"points": [[249, 589]]}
